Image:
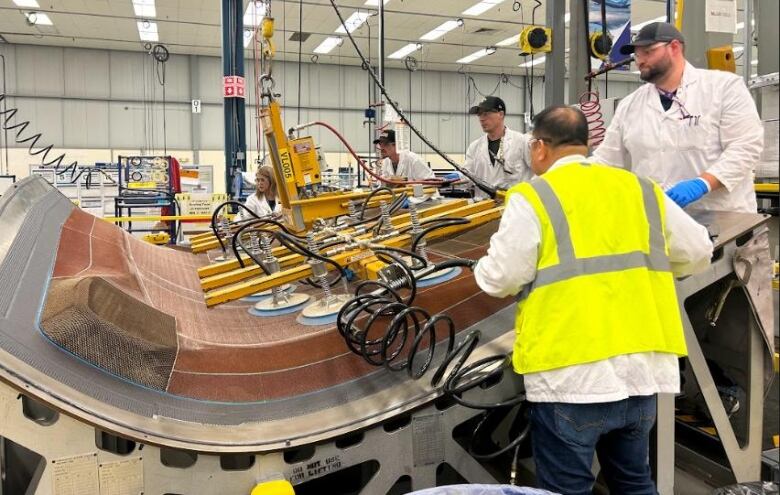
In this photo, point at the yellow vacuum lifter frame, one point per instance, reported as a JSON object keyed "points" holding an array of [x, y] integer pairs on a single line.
{"points": [[295, 168]]}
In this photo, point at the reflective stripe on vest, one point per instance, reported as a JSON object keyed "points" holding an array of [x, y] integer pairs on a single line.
{"points": [[569, 266], [589, 305]]}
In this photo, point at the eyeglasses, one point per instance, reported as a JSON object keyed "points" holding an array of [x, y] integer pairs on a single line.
{"points": [[643, 51], [534, 140]]}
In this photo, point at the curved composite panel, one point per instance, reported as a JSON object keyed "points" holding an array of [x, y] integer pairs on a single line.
{"points": [[147, 359]]}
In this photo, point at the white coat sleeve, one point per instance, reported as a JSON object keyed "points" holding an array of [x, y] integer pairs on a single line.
{"points": [[469, 163], [611, 150], [741, 135], [511, 259], [690, 248], [419, 170]]}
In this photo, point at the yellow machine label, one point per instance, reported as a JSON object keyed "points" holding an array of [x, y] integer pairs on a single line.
{"points": [[287, 166], [141, 185]]}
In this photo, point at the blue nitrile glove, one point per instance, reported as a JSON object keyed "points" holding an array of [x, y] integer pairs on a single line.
{"points": [[405, 204], [452, 176], [687, 191]]}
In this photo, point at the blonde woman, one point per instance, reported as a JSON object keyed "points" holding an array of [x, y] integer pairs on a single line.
{"points": [[264, 201]]}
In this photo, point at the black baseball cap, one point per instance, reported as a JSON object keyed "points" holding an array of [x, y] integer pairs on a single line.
{"points": [[385, 137], [652, 33], [489, 104]]}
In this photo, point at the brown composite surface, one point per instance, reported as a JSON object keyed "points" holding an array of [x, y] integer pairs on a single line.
{"points": [[224, 353]]}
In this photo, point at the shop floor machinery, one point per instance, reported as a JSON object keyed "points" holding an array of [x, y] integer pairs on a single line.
{"points": [[114, 372]]}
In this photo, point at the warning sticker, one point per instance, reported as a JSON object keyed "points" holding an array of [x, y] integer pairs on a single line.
{"points": [[125, 477], [75, 475], [314, 469]]}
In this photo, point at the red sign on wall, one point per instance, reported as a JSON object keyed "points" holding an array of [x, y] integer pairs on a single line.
{"points": [[233, 87]]}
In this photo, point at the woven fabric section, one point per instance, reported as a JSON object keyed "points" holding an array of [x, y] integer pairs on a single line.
{"points": [[97, 322]]}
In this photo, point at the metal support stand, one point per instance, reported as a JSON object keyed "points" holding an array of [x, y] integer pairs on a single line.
{"points": [[744, 460]]}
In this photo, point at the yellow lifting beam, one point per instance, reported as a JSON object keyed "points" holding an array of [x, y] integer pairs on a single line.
{"points": [[236, 275], [324, 206], [233, 264], [237, 291]]}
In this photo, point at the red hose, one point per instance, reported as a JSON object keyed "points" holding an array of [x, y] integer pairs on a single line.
{"points": [[362, 163], [591, 107]]}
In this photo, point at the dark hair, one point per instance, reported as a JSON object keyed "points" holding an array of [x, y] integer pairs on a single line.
{"points": [[561, 125]]}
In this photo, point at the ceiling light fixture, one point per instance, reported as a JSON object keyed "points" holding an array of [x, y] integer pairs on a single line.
{"points": [[27, 3], [329, 44], [374, 3], [38, 19], [477, 55], [353, 22], [147, 31], [405, 50], [536, 61], [481, 7], [513, 40], [144, 8], [441, 30], [254, 13]]}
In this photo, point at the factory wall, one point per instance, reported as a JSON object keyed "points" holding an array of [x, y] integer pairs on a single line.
{"points": [[95, 105]]}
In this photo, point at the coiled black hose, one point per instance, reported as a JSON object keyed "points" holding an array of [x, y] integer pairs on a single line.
{"points": [[385, 301]]}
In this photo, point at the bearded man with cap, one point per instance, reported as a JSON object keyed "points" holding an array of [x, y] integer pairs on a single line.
{"points": [[500, 157], [697, 133], [400, 165], [694, 131]]}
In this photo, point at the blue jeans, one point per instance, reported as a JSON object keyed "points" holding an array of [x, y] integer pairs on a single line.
{"points": [[564, 438]]}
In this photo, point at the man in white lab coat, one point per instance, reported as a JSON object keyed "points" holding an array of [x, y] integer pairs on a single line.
{"points": [[500, 157], [593, 251], [697, 133], [400, 165], [694, 131]]}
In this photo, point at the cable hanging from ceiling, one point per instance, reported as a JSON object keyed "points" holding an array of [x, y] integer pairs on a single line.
{"points": [[487, 188]]}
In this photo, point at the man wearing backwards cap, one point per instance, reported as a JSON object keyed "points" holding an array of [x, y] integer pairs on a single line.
{"points": [[501, 156], [696, 132], [400, 165]]}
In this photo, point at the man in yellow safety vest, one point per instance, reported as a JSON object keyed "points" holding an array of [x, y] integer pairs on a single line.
{"points": [[593, 251]]}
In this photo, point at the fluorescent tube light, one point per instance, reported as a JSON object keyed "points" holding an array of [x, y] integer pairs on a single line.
{"points": [[144, 8], [353, 22], [38, 18], [537, 61], [254, 13], [405, 50], [481, 7], [27, 3], [329, 44], [477, 55], [147, 30], [512, 40], [441, 30]]}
